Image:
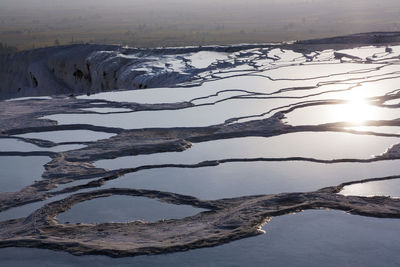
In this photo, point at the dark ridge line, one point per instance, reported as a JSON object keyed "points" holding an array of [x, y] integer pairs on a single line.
{"points": [[119, 130], [245, 97], [377, 123], [304, 55], [319, 85], [46, 193], [311, 128], [168, 197], [255, 96], [322, 76], [395, 91], [101, 113], [302, 104], [115, 174], [308, 78], [338, 129], [130, 105], [206, 78], [45, 143], [213, 76], [55, 128], [179, 50], [382, 99], [75, 143], [250, 213], [191, 198], [30, 153], [362, 38], [81, 104], [73, 112], [220, 92], [33, 141], [295, 129], [310, 103], [344, 160], [369, 133], [336, 74], [304, 207]]}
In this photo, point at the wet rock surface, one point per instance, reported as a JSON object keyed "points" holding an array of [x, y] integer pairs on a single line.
{"points": [[329, 78]]}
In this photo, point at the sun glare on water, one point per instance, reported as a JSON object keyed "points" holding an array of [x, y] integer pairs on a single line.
{"points": [[356, 111]]}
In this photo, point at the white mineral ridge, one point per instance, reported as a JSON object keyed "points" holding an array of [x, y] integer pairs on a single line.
{"points": [[89, 68]]}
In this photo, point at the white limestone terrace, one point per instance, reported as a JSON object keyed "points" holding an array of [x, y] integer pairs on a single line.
{"points": [[90, 68]]}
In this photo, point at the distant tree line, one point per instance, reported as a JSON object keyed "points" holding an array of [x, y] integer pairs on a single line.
{"points": [[6, 49]]}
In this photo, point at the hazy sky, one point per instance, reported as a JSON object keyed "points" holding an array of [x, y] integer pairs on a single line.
{"points": [[169, 4], [176, 22], [239, 10]]}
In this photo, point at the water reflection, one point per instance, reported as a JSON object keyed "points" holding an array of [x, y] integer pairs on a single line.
{"points": [[125, 209], [357, 110], [21, 146], [378, 129], [321, 145], [241, 179], [68, 136], [18, 172], [310, 238], [379, 188], [319, 82]]}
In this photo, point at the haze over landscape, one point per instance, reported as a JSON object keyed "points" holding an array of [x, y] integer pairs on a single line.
{"points": [[27, 24]]}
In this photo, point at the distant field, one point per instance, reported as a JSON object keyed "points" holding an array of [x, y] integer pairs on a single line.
{"points": [[180, 23]]}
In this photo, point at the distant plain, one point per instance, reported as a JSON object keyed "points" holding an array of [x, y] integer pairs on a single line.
{"points": [[28, 24]]}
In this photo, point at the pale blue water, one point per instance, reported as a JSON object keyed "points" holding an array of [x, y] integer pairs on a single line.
{"points": [[380, 188], [8, 144], [18, 172], [310, 238], [240, 179], [319, 145], [69, 136], [125, 209]]}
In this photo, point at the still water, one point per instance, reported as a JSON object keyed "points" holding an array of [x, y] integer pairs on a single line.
{"points": [[18, 172], [125, 209], [310, 238], [380, 188]]}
